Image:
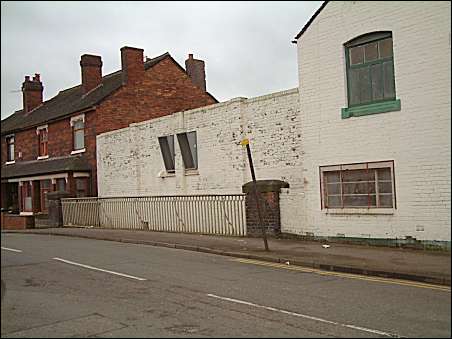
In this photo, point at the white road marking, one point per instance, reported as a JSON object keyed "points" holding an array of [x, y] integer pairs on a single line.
{"points": [[99, 269], [11, 249], [392, 335]]}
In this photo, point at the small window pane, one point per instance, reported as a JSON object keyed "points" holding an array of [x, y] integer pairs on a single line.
{"points": [[333, 188], [356, 55], [364, 85], [358, 175], [371, 51], [333, 201], [28, 205], [385, 187], [79, 124], [79, 139], [61, 185], [384, 174], [187, 147], [377, 82], [45, 184], [191, 136], [385, 48], [80, 184], [354, 86], [359, 188], [359, 200], [333, 176], [388, 76], [386, 200]]}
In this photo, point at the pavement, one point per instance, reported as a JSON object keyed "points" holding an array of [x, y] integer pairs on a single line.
{"points": [[398, 263]]}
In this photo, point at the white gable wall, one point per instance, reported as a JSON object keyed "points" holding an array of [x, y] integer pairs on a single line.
{"points": [[417, 138]]}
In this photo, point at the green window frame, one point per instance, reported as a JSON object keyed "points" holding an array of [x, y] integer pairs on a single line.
{"points": [[370, 75]]}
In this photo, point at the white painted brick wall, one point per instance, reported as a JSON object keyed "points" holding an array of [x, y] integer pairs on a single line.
{"points": [[129, 159], [417, 138]]}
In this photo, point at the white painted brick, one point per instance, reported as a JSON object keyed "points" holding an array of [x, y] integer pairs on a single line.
{"points": [[417, 138]]}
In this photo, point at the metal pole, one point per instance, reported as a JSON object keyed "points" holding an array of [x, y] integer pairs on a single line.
{"points": [[256, 196]]}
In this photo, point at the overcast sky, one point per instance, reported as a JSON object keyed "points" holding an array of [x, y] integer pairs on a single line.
{"points": [[246, 45]]}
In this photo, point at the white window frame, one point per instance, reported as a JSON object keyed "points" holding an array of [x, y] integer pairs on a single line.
{"points": [[74, 119], [13, 160]]}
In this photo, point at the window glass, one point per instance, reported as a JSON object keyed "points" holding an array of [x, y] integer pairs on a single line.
{"points": [[10, 148], [81, 187], [167, 149], [79, 134], [370, 71], [358, 188], [61, 184], [43, 142], [371, 52], [385, 48], [188, 147], [356, 55]]}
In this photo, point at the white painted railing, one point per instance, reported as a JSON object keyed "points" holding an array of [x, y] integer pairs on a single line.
{"points": [[205, 214]]}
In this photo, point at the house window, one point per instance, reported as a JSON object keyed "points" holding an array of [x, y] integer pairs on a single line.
{"points": [[26, 188], [78, 131], [61, 184], [167, 149], [45, 188], [365, 185], [188, 148], [81, 187], [43, 141], [10, 148], [370, 69]]}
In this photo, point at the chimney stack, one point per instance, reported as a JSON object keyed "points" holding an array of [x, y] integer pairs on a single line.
{"points": [[196, 71], [91, 66], [132, 64], [32, 93]]}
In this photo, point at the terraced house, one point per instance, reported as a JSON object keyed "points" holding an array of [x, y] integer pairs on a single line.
{"points": [[51, 145]]}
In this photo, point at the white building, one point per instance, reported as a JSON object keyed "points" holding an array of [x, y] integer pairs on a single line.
{"points": [[364, 143], [346, 73]]}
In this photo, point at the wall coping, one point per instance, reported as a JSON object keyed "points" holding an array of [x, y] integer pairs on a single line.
{"points": [[264, 186]]}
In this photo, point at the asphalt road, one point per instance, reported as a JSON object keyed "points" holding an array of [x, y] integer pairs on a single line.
{"points": [[69, 287]]}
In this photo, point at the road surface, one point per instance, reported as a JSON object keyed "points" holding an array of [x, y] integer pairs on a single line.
{"points": [[55, 286]]}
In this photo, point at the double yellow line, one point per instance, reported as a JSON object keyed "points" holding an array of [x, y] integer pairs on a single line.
{"points": [[345, 275]]}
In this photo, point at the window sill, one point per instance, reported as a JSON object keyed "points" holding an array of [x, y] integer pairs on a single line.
{"points": [[380, 107], [191, 172], [165, 174], [42, 157], [78, 151], [10, 162], [26, 213], [359, 211]]}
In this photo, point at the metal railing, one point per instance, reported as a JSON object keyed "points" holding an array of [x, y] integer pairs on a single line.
{"points": [[205, 214]]}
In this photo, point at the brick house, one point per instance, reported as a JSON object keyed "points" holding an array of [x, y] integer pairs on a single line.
{"points": [[51, 145]]}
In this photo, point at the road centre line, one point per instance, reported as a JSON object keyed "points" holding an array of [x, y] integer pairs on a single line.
{"points": [[99, 269], [274, 309], [347, 275], [11, 249]]}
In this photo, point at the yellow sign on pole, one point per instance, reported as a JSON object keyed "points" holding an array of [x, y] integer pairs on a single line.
{"points": [[244, 142]]}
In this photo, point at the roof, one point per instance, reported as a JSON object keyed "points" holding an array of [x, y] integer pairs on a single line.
{"points": [[310, 22], [70, 101], [46, 166]]}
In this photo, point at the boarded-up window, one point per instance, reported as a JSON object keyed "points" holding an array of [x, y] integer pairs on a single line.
{"points": [[370, 69], [365, 185], [167, 149], [188, 148]]}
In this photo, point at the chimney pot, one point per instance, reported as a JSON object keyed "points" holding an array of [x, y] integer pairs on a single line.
{"points": [[196, 71]]}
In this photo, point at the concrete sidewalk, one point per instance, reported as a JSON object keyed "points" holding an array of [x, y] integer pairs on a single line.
{"points": [[417, 265]]}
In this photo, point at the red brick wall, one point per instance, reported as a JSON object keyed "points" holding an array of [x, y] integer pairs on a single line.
{"points": [[165, 89], [16, 222]]}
